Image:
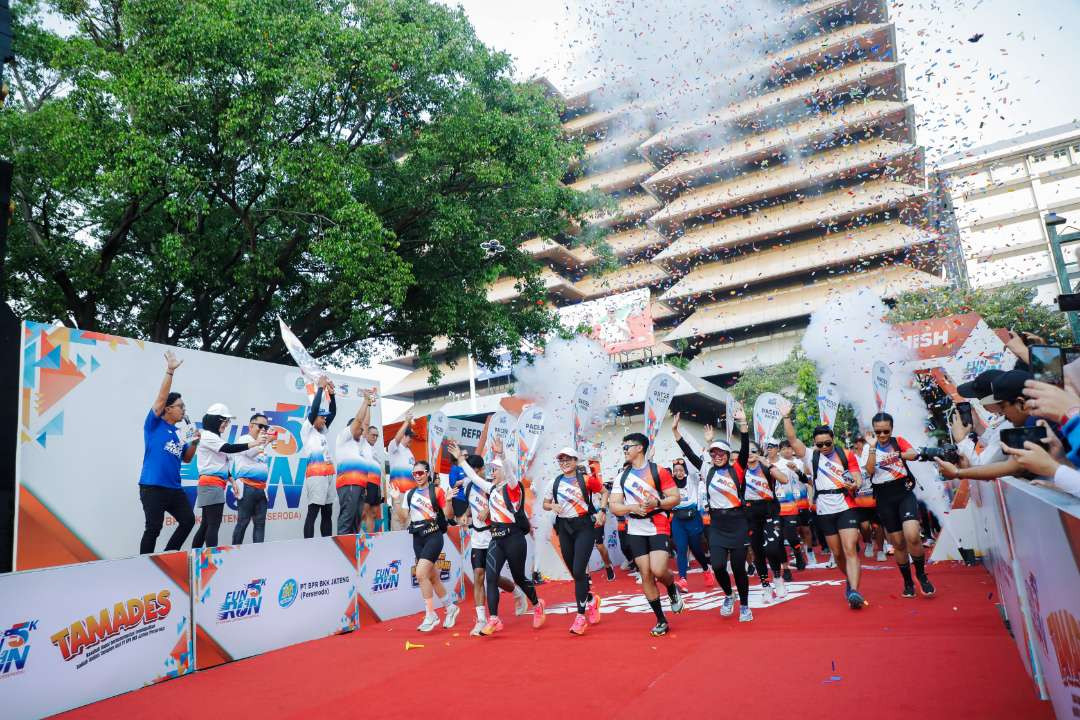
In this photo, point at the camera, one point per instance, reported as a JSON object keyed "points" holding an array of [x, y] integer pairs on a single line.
{"points": [[948, 453]]}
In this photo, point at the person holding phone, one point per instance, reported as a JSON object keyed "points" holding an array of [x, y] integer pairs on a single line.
{"points": [[252, 468]]}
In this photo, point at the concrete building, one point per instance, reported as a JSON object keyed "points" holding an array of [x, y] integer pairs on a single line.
{"points": [[996, 198], [745, 219]]}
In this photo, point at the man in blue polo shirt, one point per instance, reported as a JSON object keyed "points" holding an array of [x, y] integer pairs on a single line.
{"points": [[163, 453]]}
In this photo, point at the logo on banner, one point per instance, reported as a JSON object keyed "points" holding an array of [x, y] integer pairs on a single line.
{"points": [[287, 594], [444, 570], [106, 630], [387, 578], [15, 648], [242, 604]]}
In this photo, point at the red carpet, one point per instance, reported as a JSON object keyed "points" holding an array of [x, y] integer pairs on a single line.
{"points": [[810, 657]]}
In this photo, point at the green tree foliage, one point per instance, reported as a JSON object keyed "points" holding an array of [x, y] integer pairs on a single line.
{"points": [[187, 170], [1012, 307]]}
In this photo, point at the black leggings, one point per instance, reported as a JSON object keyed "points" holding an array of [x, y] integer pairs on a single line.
{"points": [[765, 540], [313, 511], [720, 556], [206, 535], [508, 549], [576, 544], [791, 533]]}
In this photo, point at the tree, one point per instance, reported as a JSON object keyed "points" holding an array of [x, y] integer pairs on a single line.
{"points": [[1012, 307], [187, 170]]}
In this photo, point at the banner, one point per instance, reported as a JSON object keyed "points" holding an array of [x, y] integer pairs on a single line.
{"points": [[620, 323], [769, 409], [387, 570], [251, 599], [530, 426], [584, 417], [501, 427], [309, 366], [882, 375], [84, 398], [657, 401], [828, 403], [82, 633], [437, 425]]}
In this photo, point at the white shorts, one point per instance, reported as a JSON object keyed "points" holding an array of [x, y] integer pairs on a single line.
{"points": [[320, 490]]}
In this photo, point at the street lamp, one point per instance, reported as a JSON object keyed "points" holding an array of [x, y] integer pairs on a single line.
{"points": [[1053, 220]]}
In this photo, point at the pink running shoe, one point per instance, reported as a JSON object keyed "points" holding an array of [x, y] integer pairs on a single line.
{"points": [[580, 625], [681, 583], [592, 611], [710, 579], [494, 625], [539, 614]]}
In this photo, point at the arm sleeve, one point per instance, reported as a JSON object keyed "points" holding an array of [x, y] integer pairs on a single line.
{"points": [[1068, 479], [476, 479], [316, 402], [744, 449], [333, 410], [231, 448], [689, 454]]}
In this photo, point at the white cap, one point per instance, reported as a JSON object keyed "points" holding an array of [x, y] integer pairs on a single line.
{"points": [[496, 462], [720, 445], [568, 451], [219, 409]]}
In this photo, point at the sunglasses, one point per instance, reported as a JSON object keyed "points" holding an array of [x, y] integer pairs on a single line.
{"points": [[626, 448], [565, 459], [419, 473], [827, 443], [882, 432], [261, 426]]}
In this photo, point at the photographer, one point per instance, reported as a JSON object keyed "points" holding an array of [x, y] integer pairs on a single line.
{"points": [[1063, 405]]}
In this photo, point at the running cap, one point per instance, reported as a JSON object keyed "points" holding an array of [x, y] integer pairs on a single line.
{"points": [[979, 388], [219, 409], [720, 445], [567, 451], [496, 462], [1010, 385]]}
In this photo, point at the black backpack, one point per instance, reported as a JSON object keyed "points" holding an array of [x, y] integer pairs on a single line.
{"points": [[909, 482], [584, 492], [654, 473], [713, 470], [521, 520], [440, 517]]}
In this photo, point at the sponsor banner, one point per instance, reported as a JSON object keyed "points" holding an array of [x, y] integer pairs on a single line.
{"points": [[769, 409], [1046, 542], [620, 323], [437, 425], [387, 574], [501, 426], [82, 633], [530, 427], [584, 414], [250, 599], [882, 375], [74, 425], [828, 403], [657, 401]]}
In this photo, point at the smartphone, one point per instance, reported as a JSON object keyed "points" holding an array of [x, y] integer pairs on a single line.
{"points": [[1069, 302], [1016, 437], [1071, 354], [964, 408], [1047, 364]]}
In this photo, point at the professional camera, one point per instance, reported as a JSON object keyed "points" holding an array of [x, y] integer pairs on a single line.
{"points": [[948, 453]]}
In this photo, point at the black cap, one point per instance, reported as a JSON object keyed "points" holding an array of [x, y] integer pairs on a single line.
{"points": [[1010, 385], [980, 386]]}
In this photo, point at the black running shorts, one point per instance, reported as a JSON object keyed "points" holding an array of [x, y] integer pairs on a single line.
{"points": [[895, 505], [832, 524], [645, 544], [427, 547], [372, 496], [478, 557]]}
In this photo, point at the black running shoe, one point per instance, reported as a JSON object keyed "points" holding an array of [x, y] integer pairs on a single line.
{"points": [[610, 572], [909, 591], [659, 629], [750, 570], [787, 575], [855, 599], [925, 585], [800, 561]]}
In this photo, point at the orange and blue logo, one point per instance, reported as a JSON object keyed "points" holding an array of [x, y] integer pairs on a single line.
{"points": [[242, 604], [387, 578], [124, 617], [15, 647]]}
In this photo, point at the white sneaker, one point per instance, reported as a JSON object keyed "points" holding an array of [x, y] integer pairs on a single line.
{"points": [[728, 606], [451, 616], [745, 615], [767, 594], [810, 559], [868, 551], [831, 563], [781, 588], [521, 604], [881, 556], [430, 623], [475, 632]]}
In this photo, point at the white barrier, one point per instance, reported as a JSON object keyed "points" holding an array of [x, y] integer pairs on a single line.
{"points": [[387, 582], [250, 599], [82, 633]]}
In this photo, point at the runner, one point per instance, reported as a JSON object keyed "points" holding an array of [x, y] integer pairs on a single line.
{"points": [[352, 452], [400, 457], [687, 529], [252, 469], [509, 526], [423, 509], [644, 493], [834, 477], [804, 523], [319, 473], [600, 502], [892, 481], [873, 536], [787, 493], [476, 494], [373, 499], [763, 517], [212, 460], [570, 498], [729, 532]]}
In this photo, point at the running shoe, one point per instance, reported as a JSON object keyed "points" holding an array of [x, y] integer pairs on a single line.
{"points": [[681, 582], [592, 611], [881, 556], [580, 625], [868, 551], [675, 596], [831, 563], [787, 574], [521, 604], [493, 625], [610, 572], [800, 562], [855, 599], [478, 628], [659, 629], [888, 548], [909, 590], [750, 569], [781, 588], [451, 616], [745, 615], [539, 614], [430, 623], [925, 585], [767, 593], [710, 579], [728, 606], [810, 559]]}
